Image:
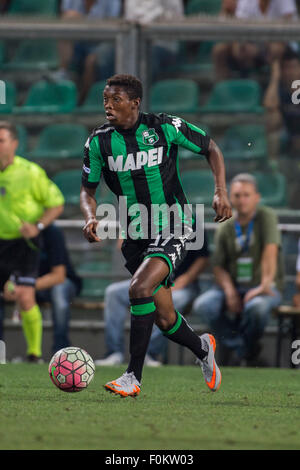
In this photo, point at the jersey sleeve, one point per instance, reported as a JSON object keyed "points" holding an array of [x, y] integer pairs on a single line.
{"points": [[187, 135], [45, 191], [92, 163]]}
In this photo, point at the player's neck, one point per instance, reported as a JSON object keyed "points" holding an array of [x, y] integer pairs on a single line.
{"points": [[131, 122]]}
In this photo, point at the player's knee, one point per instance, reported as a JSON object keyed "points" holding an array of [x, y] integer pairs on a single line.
{"points": [[25, 297], [139, 289]]}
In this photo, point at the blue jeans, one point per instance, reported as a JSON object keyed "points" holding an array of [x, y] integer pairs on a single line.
{"points": [[116, 310], [237, 332], [60, 297]]}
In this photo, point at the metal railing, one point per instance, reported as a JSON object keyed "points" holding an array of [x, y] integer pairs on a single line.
{"points": [[133, 41]]}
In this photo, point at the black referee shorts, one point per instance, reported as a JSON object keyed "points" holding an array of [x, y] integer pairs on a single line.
{"points": [[19, 259]]}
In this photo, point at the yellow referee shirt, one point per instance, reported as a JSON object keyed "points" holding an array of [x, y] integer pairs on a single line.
{"points": [[25, 193]]}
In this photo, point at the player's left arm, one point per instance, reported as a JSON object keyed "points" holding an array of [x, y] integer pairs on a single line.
{"points": [[221, 204], [193, 138]]}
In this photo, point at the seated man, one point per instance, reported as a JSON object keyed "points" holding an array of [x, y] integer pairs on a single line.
{"points": [[248, 270], [296, 299], [57, 283], [93, 60], [184, 291], [281, 102], [244, 56]]}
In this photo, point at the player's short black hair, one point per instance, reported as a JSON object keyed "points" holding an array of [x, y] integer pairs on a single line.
{"points": [[10, 127], [132, 85]]}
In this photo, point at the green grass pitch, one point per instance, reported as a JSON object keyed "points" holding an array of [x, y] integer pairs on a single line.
{"points": [[254, 409]]}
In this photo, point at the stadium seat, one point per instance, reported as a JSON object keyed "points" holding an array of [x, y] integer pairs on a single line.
{"points": [[244, 141], [34, 54], [61, 141], [23, 138], [272, 187], [234, 96], [94, 287], [33, 7], [174, 96], [94, 100], [200, 62], [50, 97], [198, 186], [69, 182], [9, 90], [206, 7]]}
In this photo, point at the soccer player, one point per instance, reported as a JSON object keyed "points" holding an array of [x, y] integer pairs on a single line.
{"points": [[137, 154], [29, 201]]}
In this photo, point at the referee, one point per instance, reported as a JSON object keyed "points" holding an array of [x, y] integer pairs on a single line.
{"points": [[29, 202]]}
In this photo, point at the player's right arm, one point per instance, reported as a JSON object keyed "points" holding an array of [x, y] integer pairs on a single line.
{"points": [[91, 173], [88, 206]]}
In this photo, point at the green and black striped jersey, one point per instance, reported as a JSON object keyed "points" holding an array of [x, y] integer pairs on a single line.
{"points": [[141, 163]]}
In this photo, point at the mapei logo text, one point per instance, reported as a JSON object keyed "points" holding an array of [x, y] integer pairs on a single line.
{"points": [[136, 161]]}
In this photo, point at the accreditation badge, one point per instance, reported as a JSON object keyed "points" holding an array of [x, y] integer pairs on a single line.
{"points": [[244, 270]]}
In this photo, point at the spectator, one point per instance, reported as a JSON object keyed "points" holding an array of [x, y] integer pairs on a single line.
{"points": [[278, 100], [164, 53], [296, 298], [282, 118], [184, 291], [29, 202], [228, 7], [246, 56], [57, 283], [248, 270], [87, 56]]}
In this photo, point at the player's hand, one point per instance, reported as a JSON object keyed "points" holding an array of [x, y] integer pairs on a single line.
{"points": [[221, 206], [29, 230], [90, 230]]}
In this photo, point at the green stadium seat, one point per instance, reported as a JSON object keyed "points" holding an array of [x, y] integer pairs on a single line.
{"points": [[69, 182], [61, 141], [205, 7], [9, 90], [94, 100], [33, 7], [23, 141], [235, 144], [198, 186], [234, 96], [201, 62], [174, 96], [50, 97], [272, 187], [34, 54], [94, 287]]}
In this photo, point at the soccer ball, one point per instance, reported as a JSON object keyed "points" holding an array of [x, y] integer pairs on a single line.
{"points": [[71, 369]]}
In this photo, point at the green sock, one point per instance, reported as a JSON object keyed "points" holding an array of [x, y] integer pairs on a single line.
{"points": [[33, 328]]}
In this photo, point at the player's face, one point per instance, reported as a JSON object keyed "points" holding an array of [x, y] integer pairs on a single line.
{"points": [[121, 111], [8, 145], [244, 198]]}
